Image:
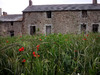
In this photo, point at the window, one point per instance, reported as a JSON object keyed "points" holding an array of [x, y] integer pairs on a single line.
{"points": [[84, 13], [95, 28], [11, 23], [48, 30], [48, 14], [83, 28], [11, 33], [32, 30]]}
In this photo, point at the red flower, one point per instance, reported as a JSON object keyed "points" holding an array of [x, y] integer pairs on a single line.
{"points": [[33, 53], [87, 35], [23, 60], [40, 39], [20, 36], [7, 41], [84, 39], [38, 55], [75, 50], [38, 46], [21, 49]]}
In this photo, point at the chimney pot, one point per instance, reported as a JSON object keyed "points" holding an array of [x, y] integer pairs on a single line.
{"points": [[4, 13], [30, 2], [94, 1]]}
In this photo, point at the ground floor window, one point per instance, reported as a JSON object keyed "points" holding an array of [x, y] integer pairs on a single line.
{"points": [[48, 30], [32, 30], [83, 28], [11, 33], [95, 28]]}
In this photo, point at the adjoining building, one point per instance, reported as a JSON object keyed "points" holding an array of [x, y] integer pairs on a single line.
{"points": [[65, 18], [10, 25]]}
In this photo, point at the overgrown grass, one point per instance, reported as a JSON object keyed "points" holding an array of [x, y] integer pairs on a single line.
{"points": [[68, 54]]}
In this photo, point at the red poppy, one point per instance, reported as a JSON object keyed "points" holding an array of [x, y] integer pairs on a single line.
{"points": [[23, 60], [75, 50], [22, 48], [38, 55], [38, 46], [87, 35], [84, 39], [40, 39], [7, 41], [33, 53]]}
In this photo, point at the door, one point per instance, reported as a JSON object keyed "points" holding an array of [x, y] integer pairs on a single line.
{"points": [[32, 30], [11, 33], [48, 30]]}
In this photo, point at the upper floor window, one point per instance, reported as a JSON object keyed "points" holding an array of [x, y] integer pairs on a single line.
{"points": [[84, 13], [12, 23], [48, 14]]}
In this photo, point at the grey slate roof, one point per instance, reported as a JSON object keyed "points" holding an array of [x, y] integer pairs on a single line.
{"points": [[11, 18], [62, 7]]}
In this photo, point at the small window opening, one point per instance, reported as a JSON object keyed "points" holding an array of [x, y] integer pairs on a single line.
{"points": [[95, 28], [48, 14], [12, 23], [83, 28], [11, 33], [32, 30], [84, 13]]}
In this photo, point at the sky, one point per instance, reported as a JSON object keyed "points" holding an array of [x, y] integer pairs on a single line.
{"points": [[17, 6]]}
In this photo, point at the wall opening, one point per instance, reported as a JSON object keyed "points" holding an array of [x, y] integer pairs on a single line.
{"points": [[11, 33], [11, 23], [48, 30], [83, 28], [95, 28], [32, 30], [48, 14], [84, 13]]}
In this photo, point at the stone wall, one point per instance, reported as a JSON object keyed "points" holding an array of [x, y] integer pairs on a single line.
{"points": [[61, 21], [6, 27]]}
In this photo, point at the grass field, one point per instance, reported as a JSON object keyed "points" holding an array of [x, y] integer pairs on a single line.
{"points": [[55, 54]]}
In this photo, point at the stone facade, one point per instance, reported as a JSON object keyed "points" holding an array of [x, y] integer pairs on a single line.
{"points": [[61, 21]]}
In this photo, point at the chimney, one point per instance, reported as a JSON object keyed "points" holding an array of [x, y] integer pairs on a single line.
{"points": [[0, 11], [30, 2], [4, 13], [94, 1]]}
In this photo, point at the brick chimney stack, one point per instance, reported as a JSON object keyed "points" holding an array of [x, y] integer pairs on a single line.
{"points": [[94, 1], [4, 13], [0, 11], [30, 2]]}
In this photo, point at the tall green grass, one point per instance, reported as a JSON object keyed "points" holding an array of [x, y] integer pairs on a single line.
{"points": [[60, 54]]}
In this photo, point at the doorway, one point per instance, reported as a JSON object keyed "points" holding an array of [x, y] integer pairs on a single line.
{"points": [[48, 30], [32, 30]]}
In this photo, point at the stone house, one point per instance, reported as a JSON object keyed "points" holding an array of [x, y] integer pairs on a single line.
{"points": [[65, 18]]}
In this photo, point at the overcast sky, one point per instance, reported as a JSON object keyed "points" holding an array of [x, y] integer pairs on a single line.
{"points": [[17, 6]]}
